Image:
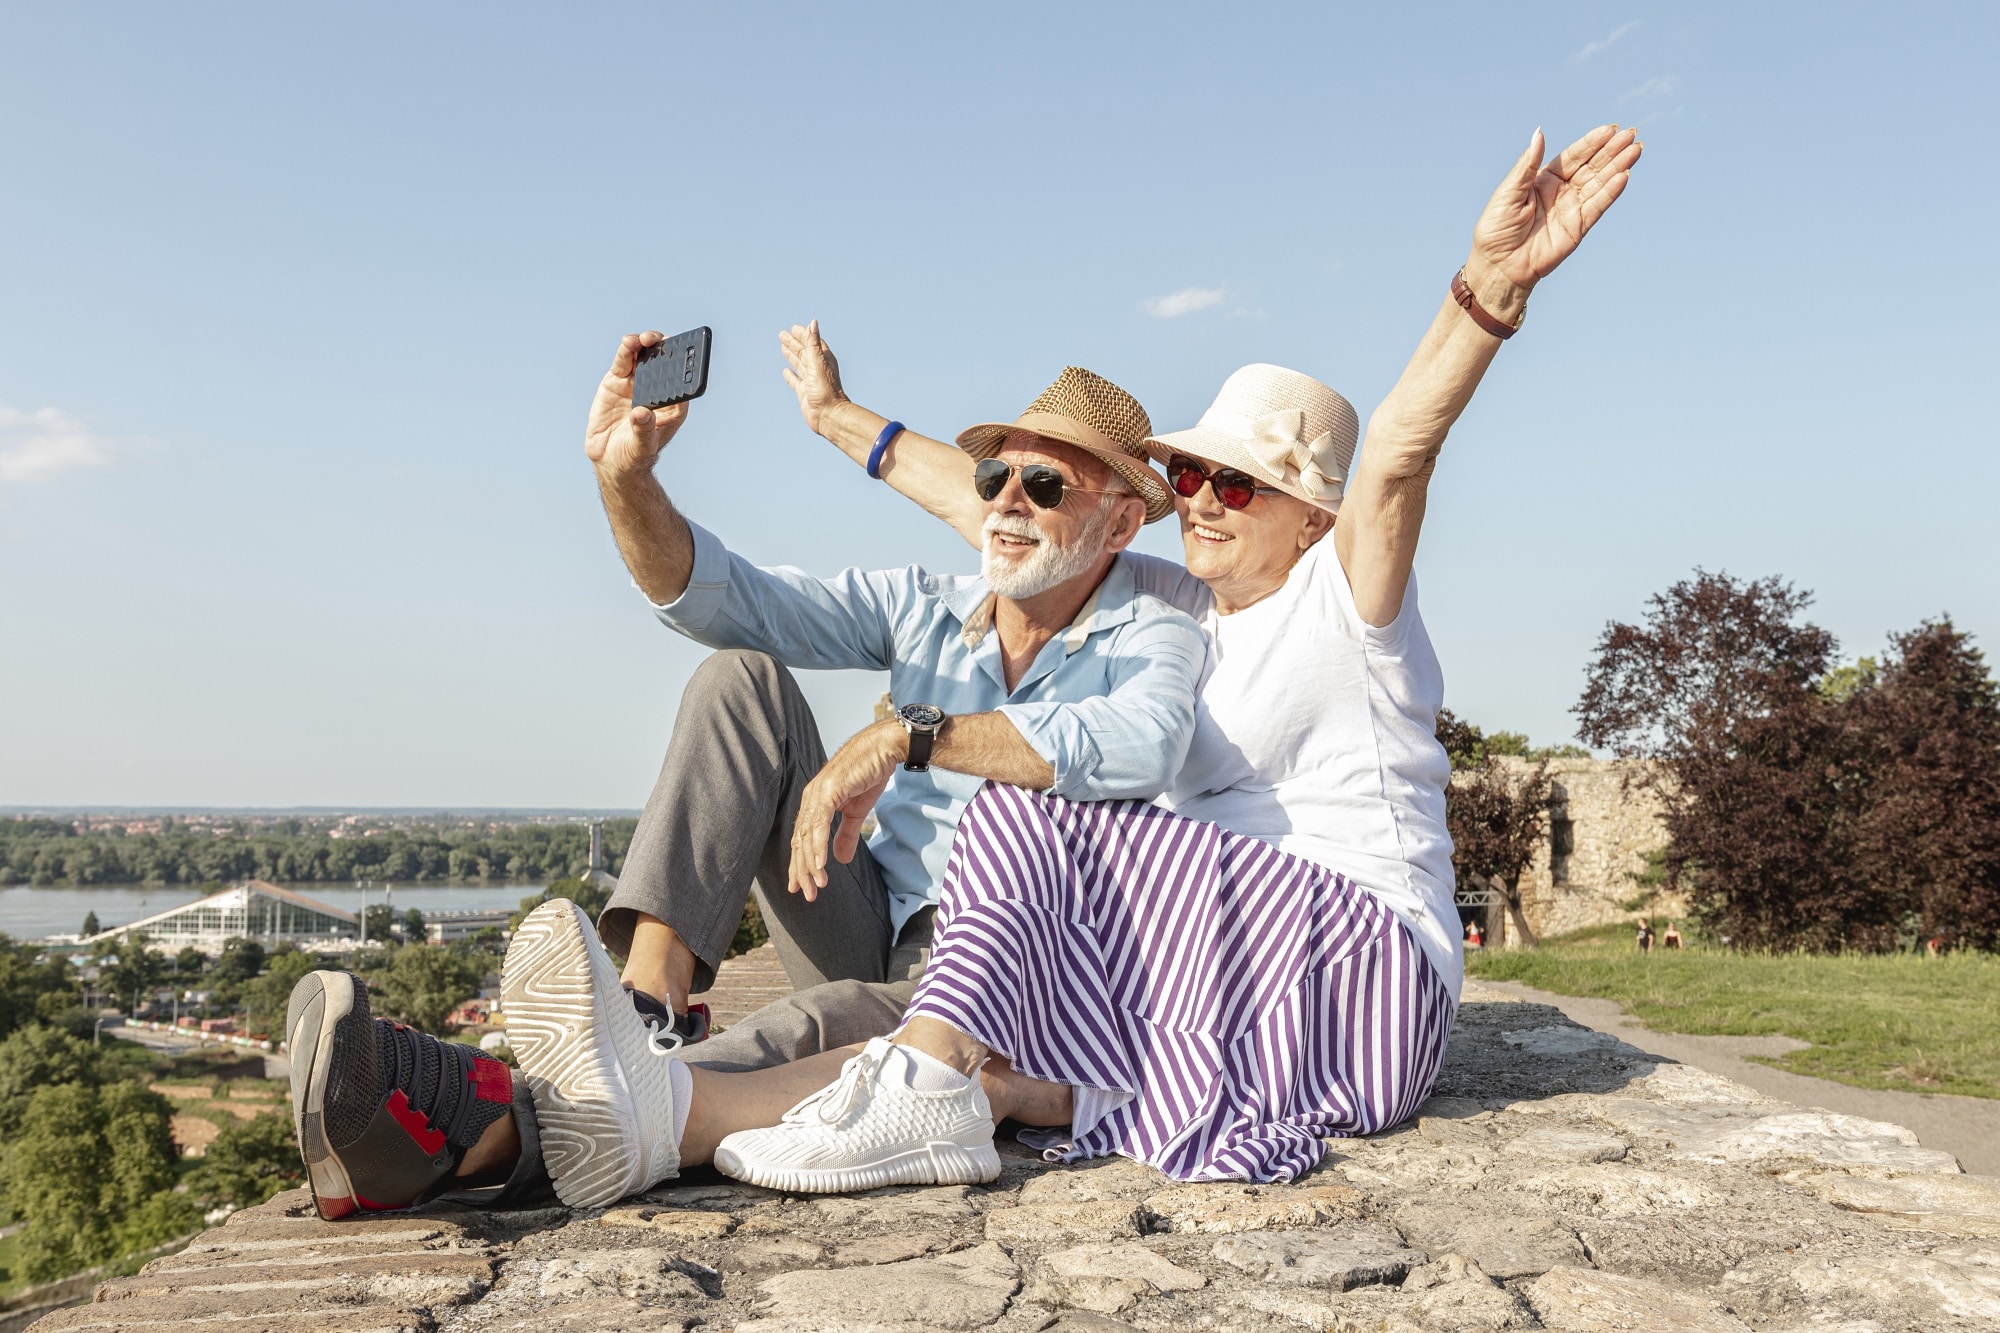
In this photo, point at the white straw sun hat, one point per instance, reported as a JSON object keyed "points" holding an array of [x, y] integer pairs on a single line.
{"points": [[1285, 429]]}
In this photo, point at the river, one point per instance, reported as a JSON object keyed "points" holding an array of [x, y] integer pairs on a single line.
{"points": [[32, 913]]}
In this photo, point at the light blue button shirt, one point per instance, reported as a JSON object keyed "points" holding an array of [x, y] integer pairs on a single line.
{"points": [[1109, 704]]}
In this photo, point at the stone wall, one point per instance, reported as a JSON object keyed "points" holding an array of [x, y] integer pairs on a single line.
{"points": [[1558, 1180], [1610, 828]]}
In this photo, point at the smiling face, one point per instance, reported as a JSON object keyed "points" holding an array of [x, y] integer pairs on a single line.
{"points": [[1029, 550], [1243, 555]]}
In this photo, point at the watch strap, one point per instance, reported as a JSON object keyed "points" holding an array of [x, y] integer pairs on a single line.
{"points": [[921, 743], [1461, 292]]}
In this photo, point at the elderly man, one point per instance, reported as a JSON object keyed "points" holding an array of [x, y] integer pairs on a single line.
{"points": [[1048, 670]]}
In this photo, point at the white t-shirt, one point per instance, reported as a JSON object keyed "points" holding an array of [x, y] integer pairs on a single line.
{"points": [[1316, 732]]}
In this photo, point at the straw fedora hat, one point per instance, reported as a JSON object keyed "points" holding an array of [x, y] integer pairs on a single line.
{"points": [[1090, 413], [1285, 429]]}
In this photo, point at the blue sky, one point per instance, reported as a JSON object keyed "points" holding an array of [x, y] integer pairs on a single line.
{"points": [[300, 313]]}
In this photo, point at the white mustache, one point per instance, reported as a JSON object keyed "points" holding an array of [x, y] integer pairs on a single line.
{"points": [[1011, 525]]}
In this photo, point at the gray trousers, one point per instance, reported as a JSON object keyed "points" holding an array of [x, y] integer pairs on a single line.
{"points": [[719, 822], [718, 826]]}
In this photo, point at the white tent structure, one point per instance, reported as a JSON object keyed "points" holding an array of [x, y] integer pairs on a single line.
{"points": [[254, 910]]}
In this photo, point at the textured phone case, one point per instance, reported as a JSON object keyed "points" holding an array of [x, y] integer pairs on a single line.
{"points": [[673, 371]]}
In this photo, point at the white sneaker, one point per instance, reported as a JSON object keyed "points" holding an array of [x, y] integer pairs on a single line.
{"points": [[870, 1128], [601, 1076]]}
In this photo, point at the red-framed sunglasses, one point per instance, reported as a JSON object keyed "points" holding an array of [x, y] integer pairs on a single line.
{"points": [[1235, 489]]}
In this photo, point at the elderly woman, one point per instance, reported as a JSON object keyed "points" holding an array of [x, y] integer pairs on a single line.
{"points": [[1267, 956]]}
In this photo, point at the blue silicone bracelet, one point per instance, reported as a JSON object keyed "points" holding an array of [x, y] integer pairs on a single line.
{"points": [[889, 432]]}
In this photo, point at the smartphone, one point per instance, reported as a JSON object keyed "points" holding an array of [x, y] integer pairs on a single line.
{"points": [[673, 371]]}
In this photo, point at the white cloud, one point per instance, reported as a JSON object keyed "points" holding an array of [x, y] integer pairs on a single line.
{"points": [[1666, 85], [1183, 302], [36, 445], [1601, 43]]}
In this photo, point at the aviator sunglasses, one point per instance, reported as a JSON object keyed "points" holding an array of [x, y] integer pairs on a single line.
{"points": [[1235, 489], [1043, 485]]}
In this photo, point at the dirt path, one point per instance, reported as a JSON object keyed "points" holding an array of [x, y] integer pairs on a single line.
{"points": [[1967, 1127]]}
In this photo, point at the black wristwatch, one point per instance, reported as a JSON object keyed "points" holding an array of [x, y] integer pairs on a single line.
{"points": [[922, 722]]}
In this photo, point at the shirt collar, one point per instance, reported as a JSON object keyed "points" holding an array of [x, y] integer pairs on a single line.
{"points": [[1109, 604]]}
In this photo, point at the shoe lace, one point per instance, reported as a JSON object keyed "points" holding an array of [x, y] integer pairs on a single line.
{"points": [[663, 1039], [844, 1094]]}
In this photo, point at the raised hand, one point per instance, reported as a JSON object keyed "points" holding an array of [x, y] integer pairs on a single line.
{"points": [[620, 438], [848, 786], [812, 372], [1540, 213]]}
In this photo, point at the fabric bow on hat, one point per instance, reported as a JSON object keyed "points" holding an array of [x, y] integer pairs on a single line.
{"points": [[1277, 445]]}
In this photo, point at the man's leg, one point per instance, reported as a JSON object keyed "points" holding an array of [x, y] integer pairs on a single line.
{"points": [[720, 818]]}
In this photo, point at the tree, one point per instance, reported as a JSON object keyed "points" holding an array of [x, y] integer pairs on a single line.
{"points": [[1718, 688], [591, 897], [421, 985], [380, 921], [414, 927], [135, 973], [40, 1057], [1497, 814], [240, 961], [190, 962], [248, 1163], [34, 986], [267, 996], [91, 1174], [90, 926], [1926, 743]]}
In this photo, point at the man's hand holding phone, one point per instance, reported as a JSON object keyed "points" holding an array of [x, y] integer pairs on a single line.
{"points": [[621, 438]]}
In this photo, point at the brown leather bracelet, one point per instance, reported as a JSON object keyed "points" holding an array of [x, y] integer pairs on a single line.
{"points": [[1462, 294]]}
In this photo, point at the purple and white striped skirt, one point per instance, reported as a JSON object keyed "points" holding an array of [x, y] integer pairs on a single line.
{"points": [[1221, 1007]]}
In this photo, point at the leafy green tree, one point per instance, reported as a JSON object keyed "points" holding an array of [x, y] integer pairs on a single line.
{"points": [[90, 926], [413, 925], [136, 974], [266, 997], [381, 921], [585, 894], [248, 1163], [240, 961], [28, 980], [40, 1057], [422, 985], [91, 1173], [190, 962]]}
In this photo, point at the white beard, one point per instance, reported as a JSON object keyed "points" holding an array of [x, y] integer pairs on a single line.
{"points": [[1049, 564]]}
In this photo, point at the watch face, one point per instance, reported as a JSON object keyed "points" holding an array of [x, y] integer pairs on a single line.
{"points": [[921, 715]]}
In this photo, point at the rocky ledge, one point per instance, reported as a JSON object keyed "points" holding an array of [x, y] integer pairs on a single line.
{"points": [[1558, 1180]]}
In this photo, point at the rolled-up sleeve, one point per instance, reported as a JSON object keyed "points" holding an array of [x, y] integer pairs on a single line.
{"points": [[841, 623], [1130, 741]]}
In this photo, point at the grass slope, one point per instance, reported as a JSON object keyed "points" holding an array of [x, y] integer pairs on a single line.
{"points": [[1904, 1023]]}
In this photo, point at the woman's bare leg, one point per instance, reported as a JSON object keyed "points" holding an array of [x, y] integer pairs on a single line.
{"points": [[721, 1104], [1014, 1095]]}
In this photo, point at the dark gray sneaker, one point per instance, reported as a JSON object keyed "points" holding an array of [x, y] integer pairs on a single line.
{"points": [[384, 1113]]}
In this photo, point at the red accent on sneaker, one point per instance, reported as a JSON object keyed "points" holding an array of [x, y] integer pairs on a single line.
{"points": [[331, 1209], [491, 1081], [418, 1128]]}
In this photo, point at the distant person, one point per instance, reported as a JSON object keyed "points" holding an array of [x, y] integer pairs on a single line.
{"points": [[1474, 937], [1934, 946], [1672, 938], [1645, 937]]}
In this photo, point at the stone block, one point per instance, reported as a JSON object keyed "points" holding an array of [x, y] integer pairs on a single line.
{"points": [[1811, 1139], [1621, 1191], [1454, 1295], [144, 1315], [651, 1275], [889, 1249], [940, 1205], [1111, 1278], [762, 1254], [417, 1280], [1342, 1259], [1223, 1207], [1503, 1241], [1573, 1300], [685, 1224], [1959, 1282], [1054, 1223], [1107, 1178], [1958, 1205], [1583, 1147], [966, 1290]]}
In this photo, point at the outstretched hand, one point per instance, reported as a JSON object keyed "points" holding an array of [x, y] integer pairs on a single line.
{"points": [[848, 786], [812, 372], [1541, 212], [620, 438]]}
